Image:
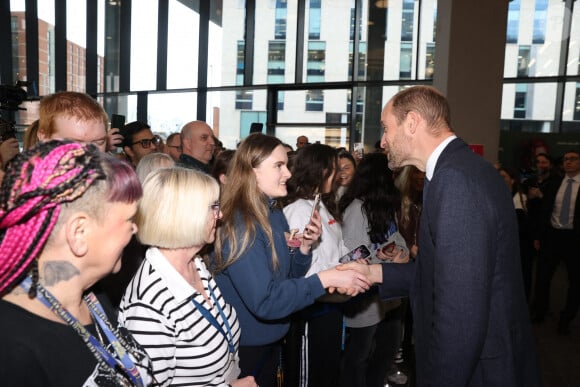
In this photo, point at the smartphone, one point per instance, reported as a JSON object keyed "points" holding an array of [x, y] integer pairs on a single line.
{"points": [[361, 252], [117, 121], [315, 207]]}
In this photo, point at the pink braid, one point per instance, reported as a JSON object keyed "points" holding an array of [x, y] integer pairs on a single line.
{"points": [[39, 182]]}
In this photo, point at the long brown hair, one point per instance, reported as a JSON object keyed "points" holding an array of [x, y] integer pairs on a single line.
{"points": [[242, 201]]}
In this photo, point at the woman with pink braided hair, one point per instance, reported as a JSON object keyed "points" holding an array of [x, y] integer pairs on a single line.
{"points": [[66, 212]]}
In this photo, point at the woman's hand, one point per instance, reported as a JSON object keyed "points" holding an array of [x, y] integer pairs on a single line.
{"points": [[394, 254], [248, 381], [349, 282], [311, 233]]}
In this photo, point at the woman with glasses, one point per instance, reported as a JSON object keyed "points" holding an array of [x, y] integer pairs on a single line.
{"points": [[260, 262], [173, 306]]}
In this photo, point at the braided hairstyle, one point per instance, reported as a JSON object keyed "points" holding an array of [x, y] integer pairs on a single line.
{"points": [[36, 185]]}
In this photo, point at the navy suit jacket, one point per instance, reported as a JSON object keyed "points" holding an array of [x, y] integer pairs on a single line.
{"points": [[471, 324]]}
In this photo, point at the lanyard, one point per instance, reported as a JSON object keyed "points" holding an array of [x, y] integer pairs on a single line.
{"points": [[208, 316], [103, 356]]}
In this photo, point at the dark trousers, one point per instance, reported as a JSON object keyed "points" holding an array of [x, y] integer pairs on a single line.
{"points": [[369, 352], [558, 245], [313, 347], [261, 362]]}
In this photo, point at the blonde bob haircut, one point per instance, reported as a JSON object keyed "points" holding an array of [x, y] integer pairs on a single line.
{"points": [[173, 212]]}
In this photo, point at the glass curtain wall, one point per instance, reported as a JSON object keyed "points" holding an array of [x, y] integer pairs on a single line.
{"points": [[323, 68]]}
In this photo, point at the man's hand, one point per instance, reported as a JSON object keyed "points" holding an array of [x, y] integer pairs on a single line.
{"points": [[374, 272], [349, 282], [114, 139]]}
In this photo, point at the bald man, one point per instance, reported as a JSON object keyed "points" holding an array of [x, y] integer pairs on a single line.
{"points": [[197, 146]]}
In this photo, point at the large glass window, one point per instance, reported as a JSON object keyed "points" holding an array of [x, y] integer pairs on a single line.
{"points": [[168, 112], [144, 45], [182, 51], [314, 19], [281, 20], [408, 21], [76, 35], [573, 65], [540, 21], [513, 24], [232, 124], [226, 31], [528, 101], [46, 54], [316, 61], [101, 47], [524, 61]]}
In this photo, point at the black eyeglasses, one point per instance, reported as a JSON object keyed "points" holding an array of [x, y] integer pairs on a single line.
{"points": [[216, 207], [174, 146], [570, 158], [146, 142]]}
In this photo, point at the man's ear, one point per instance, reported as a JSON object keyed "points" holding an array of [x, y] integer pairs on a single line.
{"points": [[412, 121], [41, 136], [77, 232], [128, 151]]}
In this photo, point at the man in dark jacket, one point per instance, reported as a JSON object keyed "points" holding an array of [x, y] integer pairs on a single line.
{"points": [[471, 323]]}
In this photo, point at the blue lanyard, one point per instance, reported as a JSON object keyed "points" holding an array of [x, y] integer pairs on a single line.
{"points": [[96, 347], [208, 316]]}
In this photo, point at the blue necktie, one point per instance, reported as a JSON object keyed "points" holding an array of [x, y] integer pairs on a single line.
{"points": [[565, 212]]}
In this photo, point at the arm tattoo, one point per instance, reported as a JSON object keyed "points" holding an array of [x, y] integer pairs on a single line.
{"points": [[56, 271]]}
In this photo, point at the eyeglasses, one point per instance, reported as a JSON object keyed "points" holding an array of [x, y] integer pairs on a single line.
{"points": [[146, 142], [216, 207], [178, 147], [570, 158]]}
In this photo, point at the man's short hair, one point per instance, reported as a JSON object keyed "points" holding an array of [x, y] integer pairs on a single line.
{"points": [[172, 136], [71, 104], [425, 100], [130, 130]]}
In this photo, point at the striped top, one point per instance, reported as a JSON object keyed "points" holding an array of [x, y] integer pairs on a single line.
{"points": [[186, 350]]}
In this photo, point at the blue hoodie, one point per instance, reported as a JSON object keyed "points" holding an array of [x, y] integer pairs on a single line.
{"points": [[264, 298]]}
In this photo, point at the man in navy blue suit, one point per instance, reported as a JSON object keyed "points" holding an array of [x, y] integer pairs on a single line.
{"points": [[471, 323]]}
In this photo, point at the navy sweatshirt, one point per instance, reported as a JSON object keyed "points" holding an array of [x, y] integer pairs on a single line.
{"points": [[264, 298]]}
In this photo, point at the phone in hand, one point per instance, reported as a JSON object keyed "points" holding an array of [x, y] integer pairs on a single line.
{"points": [[361, 252], [117, 121], [315, 207]]}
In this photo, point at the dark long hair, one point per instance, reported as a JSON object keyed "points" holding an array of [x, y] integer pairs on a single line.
{"points": [[373, 185], [311, 168]]}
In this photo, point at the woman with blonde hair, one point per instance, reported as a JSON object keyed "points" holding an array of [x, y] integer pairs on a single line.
{"points": [[260, 264], [173, 306]]}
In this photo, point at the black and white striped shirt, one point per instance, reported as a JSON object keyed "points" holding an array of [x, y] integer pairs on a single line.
{"points": [[183, 345]]}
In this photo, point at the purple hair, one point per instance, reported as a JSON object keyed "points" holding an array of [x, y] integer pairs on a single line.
{"points": [[36, 184]]}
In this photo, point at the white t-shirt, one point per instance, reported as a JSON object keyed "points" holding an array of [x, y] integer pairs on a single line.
{"points": [[330, 247]]}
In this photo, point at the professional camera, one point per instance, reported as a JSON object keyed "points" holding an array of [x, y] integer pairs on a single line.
{"points": [[11, 97]]}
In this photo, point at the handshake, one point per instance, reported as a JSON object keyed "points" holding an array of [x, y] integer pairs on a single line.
{"points": [[351, 278]]}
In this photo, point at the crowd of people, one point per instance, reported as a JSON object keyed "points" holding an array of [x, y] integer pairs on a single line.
{"points": [[129, 260]]}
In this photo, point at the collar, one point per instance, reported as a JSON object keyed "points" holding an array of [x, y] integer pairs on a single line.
{"points": [[190, 160], [432, 160], [175, 283]]}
